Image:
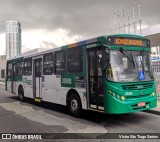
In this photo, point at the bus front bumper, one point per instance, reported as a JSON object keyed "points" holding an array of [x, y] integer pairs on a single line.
{"points": [[115, 106]]}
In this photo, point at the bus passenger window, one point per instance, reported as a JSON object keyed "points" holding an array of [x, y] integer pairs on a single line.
{"points": [[9, 69], [28, 67], [75, 56], [19, 68], [48, 64], [60, 60]]}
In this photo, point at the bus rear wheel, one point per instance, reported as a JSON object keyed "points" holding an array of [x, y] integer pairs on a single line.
{"points": [[75, 106]]}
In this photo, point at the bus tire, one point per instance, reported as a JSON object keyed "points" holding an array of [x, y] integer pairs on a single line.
{"points": [[21, 95], [75, 106]]}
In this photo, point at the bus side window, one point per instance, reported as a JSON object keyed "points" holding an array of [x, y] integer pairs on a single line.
{"points": [[109, 72], [60, 62], [75, 56], [9, 69], [28, 67], [48, 64], [19, 68]]}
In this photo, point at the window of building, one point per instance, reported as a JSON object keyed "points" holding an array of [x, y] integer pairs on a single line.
{"points": [[19, 68], [48, 64], [2, 73], [28, 67], [75, 56], [60, 62]]}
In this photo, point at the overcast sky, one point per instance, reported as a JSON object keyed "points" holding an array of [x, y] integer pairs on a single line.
{"points": [[48, 23]]}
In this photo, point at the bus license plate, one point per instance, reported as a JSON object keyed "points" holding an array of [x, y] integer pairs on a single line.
{"points": [[141, 104]]}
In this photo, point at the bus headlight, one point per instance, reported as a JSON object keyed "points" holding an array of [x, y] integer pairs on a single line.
{"points": [[118, 97], [114, 94], [122, 98], [109, 91]]}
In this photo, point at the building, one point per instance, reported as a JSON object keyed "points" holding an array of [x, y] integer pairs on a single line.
{"points": [[2, 68], [13, 39], [2, 57]]}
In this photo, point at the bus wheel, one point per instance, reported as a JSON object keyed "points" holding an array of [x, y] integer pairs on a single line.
{"points": [[75, 106], [21, 95]]}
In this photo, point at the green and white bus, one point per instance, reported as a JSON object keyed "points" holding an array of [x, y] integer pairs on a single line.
{"points": [[110, 74]]}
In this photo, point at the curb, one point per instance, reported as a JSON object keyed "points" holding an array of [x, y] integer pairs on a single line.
{"points": [[153, 112]]}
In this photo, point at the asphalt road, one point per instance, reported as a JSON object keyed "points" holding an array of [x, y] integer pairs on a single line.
{"points": [[31, 117]]}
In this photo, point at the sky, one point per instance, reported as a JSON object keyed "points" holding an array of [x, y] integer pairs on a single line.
{"points": [[53, 23]]}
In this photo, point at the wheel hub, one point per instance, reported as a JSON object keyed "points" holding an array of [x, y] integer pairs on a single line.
{"points": [[74, 105]]}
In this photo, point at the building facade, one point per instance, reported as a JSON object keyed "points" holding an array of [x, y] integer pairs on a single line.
{"points": [[13, 39], [2, 68]]}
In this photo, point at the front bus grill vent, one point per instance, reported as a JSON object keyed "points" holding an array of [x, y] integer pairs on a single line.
{"points": [[137, 86]]}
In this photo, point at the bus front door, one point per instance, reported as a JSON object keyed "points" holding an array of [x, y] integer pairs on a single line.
{"points": [[37, 78], [95, 79]]}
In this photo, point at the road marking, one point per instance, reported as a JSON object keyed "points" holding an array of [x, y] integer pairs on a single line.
{"points": [[48, 119]]}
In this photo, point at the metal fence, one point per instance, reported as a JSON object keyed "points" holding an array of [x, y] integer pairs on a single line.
{"points": [[156, 71]]}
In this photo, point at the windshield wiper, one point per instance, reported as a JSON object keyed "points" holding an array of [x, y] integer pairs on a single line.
{"points": [[125, 54], [142, 61], [123, 51], [133, 61]]}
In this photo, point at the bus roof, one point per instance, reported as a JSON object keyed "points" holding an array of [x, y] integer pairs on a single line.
{"points": [[81, 43]]}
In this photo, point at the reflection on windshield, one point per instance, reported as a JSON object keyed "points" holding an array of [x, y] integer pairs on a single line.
{"points": [[122, 69]]}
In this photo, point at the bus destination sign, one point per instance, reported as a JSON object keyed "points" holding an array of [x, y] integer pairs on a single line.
{"points": [[127, 41], [124, 41]]}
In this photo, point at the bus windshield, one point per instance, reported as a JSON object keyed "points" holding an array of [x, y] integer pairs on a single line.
{"points": [[129, 66]]}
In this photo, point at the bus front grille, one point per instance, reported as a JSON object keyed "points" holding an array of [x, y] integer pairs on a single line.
{"points": [[138, 96], [137, 86]]}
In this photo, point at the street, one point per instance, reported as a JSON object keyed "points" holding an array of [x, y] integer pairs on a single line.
{"points": [[31, 117]]}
